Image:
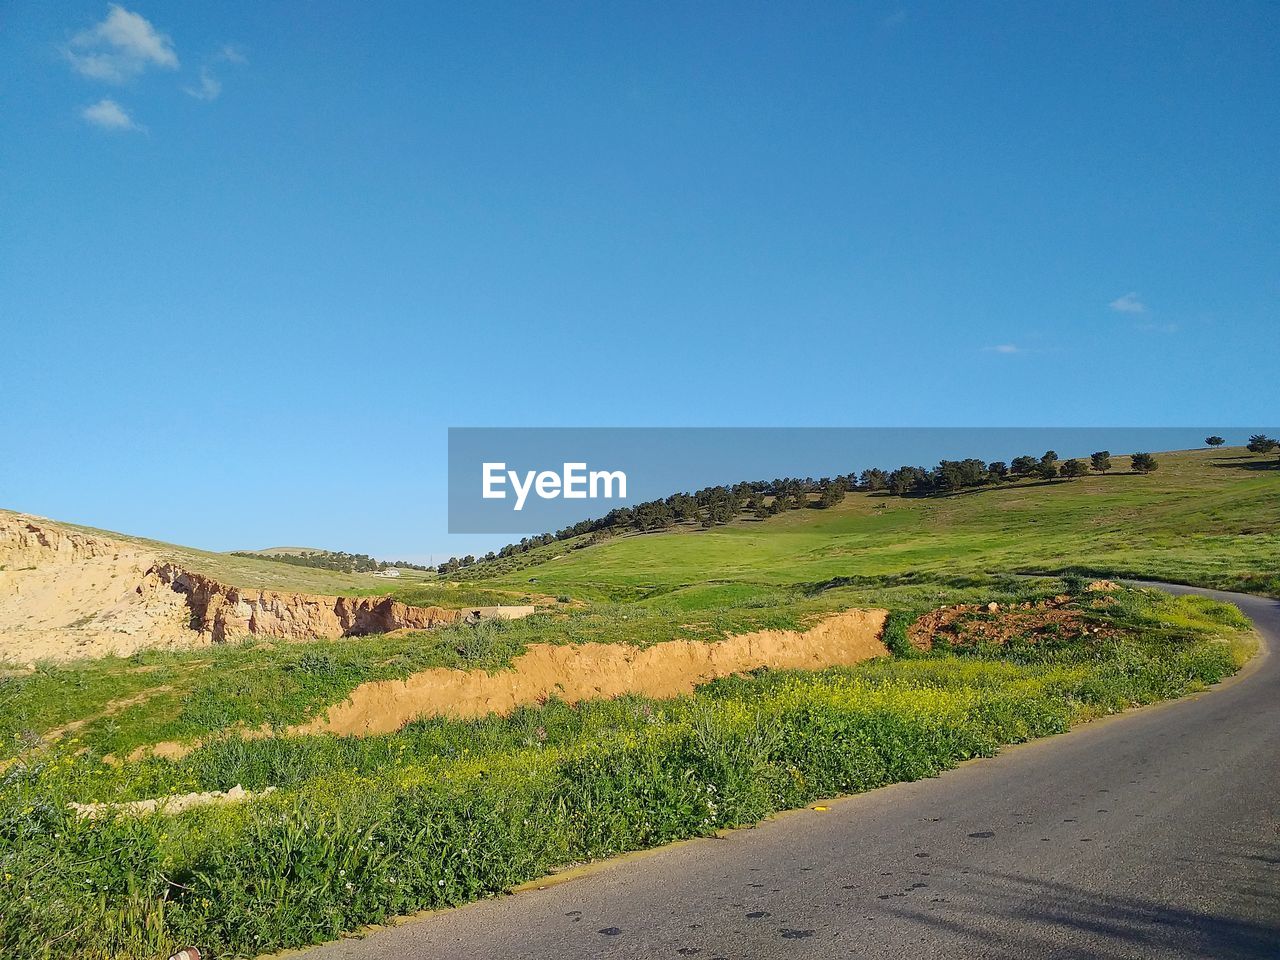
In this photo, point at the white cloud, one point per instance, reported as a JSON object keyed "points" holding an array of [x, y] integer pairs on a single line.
{"points": [[1004, 348], [208, 88], [109, 115], [120, 47], [1129, 303]]}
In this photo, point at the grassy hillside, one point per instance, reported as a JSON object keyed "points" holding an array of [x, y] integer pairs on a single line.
{"points": [[1208, 517], [261, 572], [1205, 517], [444, 811]]}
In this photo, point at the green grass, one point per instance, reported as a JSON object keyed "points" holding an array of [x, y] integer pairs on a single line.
{"points": [[1207, 518], [447, 811], [188, 695]]}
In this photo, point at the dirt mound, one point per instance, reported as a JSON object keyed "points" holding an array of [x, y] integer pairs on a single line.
{"points": [[600, 670], [966, 625]]}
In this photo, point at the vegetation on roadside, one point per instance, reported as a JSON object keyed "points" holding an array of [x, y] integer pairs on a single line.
{"points": [[447, 811]]}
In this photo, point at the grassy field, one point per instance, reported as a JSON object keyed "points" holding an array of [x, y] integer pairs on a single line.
{"points": [[443, 811], [1207, 517], [1210, 518]]}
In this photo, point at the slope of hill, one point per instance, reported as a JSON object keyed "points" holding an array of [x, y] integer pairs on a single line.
{"points": [[481, 756], [1210, 518]]}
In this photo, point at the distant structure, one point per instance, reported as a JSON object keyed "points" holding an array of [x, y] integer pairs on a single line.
{"points": [[389, 572], [500, 612]]}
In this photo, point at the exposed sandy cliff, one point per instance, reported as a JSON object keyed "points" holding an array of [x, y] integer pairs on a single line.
{"points": [[220, 611], [65, 594]]}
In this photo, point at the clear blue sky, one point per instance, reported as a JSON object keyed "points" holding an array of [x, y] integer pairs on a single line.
{"points": [[255, 258]]}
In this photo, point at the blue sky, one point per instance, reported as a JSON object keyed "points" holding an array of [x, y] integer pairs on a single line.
{"points": [[255, 258]]}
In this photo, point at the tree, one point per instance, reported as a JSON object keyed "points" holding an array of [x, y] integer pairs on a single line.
{"points": [[1022, 466], [1074, 468], [1046, 469], [873, 480], [684, 507], [1214, 441], [655, 515], [1143, 463], [1101, 461], [997, 470], [1050, 456], [902, 481], [1261, 443], [832, 494], [959, 474]]}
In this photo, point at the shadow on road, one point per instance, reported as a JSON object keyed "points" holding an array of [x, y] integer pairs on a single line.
{"points": [[1045, 918]]}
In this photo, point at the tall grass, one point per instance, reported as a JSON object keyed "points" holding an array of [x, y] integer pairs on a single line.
{"points": [[447, 811]]}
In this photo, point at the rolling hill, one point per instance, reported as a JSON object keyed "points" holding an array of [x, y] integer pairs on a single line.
{"points": [[279, 787], [1205, 517]]}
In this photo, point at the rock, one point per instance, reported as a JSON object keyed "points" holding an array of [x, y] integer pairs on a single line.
{"points": [[221, 611]]}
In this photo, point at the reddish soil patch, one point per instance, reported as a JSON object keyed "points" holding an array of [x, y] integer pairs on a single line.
{"points": [[967, 625]]}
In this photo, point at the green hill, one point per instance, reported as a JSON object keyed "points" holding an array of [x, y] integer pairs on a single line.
{"points": [[1210, 518], [453, 809]]}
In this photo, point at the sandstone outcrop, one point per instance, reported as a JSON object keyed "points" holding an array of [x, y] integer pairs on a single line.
{"points": [[67, 593], [219, 611]]}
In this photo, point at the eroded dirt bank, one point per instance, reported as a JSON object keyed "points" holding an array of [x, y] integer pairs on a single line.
{"points": [[66, 594], [220, 611], [600, 670]]}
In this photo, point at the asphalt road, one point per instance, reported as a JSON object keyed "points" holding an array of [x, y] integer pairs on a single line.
{"points": [[1152, 834]]}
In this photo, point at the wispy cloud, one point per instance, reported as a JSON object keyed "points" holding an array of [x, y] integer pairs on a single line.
{"points": [[210, 86], [1004, 348], [1129, 303], [120, 47], [106, 114]]}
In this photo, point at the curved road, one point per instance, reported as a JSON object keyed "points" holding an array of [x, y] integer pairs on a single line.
{"points": [[1151, 834]]}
